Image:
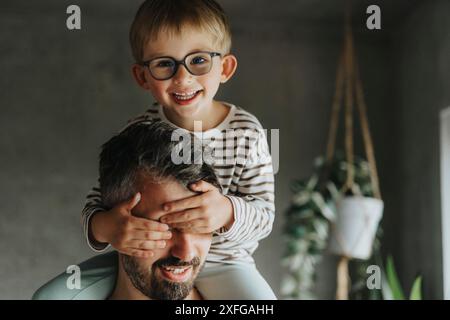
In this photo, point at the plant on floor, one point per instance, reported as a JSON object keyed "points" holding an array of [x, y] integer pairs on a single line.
{"points": [[392, 289]]}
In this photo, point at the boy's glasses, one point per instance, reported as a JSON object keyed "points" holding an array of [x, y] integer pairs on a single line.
{"points": [[197, 63]]}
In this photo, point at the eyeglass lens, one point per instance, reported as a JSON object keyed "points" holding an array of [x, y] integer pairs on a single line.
{"points": [[197, 63]]}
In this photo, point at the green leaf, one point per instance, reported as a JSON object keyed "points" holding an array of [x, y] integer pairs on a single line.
{"points": [[416, 291], [318, 200], [298, 231], [312, 182], [393, 281]]}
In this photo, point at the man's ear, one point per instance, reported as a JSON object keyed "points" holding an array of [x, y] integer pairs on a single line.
{"points": [[229, 65], [139, 75]]}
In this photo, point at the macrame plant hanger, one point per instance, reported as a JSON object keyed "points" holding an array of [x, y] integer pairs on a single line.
{"points": [[347, 78]]}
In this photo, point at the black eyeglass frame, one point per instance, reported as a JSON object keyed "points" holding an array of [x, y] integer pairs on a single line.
{"points": [[180, 62]]}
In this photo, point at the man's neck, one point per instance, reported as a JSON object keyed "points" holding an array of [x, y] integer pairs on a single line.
{"points": [[125, 290]]}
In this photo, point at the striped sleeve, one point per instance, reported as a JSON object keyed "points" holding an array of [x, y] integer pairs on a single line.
{"points": [[253, 198], [93, 204]]}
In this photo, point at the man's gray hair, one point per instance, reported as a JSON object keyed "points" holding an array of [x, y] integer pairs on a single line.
{"points": [[146, 148]]}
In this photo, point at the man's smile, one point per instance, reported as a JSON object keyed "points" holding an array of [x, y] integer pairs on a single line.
{"points": [[176, 273]]}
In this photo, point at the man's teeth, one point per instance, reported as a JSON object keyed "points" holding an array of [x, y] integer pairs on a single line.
{"points": [[185, 96], [175, 270]]}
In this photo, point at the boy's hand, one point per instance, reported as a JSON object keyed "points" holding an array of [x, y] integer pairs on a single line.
{"points": [[203, 213], [128, 234]]}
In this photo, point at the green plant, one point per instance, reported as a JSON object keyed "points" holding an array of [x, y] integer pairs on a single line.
{"points": [[308, 223], [392, 289], [306, 234]]}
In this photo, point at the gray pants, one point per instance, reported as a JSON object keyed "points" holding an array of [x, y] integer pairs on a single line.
{"points": [[233, 282]]}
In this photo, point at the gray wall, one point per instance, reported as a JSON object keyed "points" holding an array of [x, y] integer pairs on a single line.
{"points": [[64, 93], [420, 51]]}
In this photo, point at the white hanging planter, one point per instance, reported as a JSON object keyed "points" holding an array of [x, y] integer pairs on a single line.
{"points": [[355, 227]]}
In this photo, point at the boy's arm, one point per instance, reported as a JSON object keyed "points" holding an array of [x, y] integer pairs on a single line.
{"points": [[253, 200], [94, 202]]}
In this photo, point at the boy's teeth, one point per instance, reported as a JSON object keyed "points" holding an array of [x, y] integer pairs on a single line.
{"points": [[185, 93], [185, 96]]}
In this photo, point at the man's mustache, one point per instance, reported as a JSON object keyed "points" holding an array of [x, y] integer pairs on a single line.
{"points": [[174, 261]]}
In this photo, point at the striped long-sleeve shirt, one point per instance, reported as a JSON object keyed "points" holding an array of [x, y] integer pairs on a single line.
{"points": [[242, 162]]}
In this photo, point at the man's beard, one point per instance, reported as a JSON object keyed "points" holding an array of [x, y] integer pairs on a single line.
{"points": [[156, 287]]}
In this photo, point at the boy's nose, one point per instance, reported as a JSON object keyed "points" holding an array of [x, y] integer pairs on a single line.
{"points": [[182, 75], [183, 246]]}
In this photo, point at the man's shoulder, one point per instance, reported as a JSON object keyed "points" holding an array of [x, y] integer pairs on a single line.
{"points": [[93, 279]]}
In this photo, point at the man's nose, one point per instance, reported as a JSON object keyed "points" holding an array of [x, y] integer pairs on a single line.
{"points": [[182, 247], [182, 75]]}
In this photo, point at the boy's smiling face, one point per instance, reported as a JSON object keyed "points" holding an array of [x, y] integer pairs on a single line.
{"points": [[177, 46]]}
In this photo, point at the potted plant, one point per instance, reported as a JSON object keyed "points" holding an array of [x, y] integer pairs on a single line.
{"points": [[358, 212], [306, 234], [310, 220]]}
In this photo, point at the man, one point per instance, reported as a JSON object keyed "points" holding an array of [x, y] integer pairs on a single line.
{"points": [[129, 166]]}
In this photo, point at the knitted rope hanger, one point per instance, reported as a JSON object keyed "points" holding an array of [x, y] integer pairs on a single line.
{"points": [[348, 79]]}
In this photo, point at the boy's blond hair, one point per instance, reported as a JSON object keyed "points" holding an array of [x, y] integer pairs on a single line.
{"points": [[155, 16]]}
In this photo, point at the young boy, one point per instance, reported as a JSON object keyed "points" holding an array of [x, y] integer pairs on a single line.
{"points": [[182, 53]]}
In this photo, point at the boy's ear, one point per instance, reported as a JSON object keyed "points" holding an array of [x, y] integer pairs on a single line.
{"points": [[139, 75], [229, 65]]}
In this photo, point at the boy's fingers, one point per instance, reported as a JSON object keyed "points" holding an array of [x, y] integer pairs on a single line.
{"points": [[147, 245], [139, 253], [151, 235], [183, 204], [202, 186], [147, 224], [201, 230], [131, 203], [195, 230], [183, 216], [197, 223]]}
